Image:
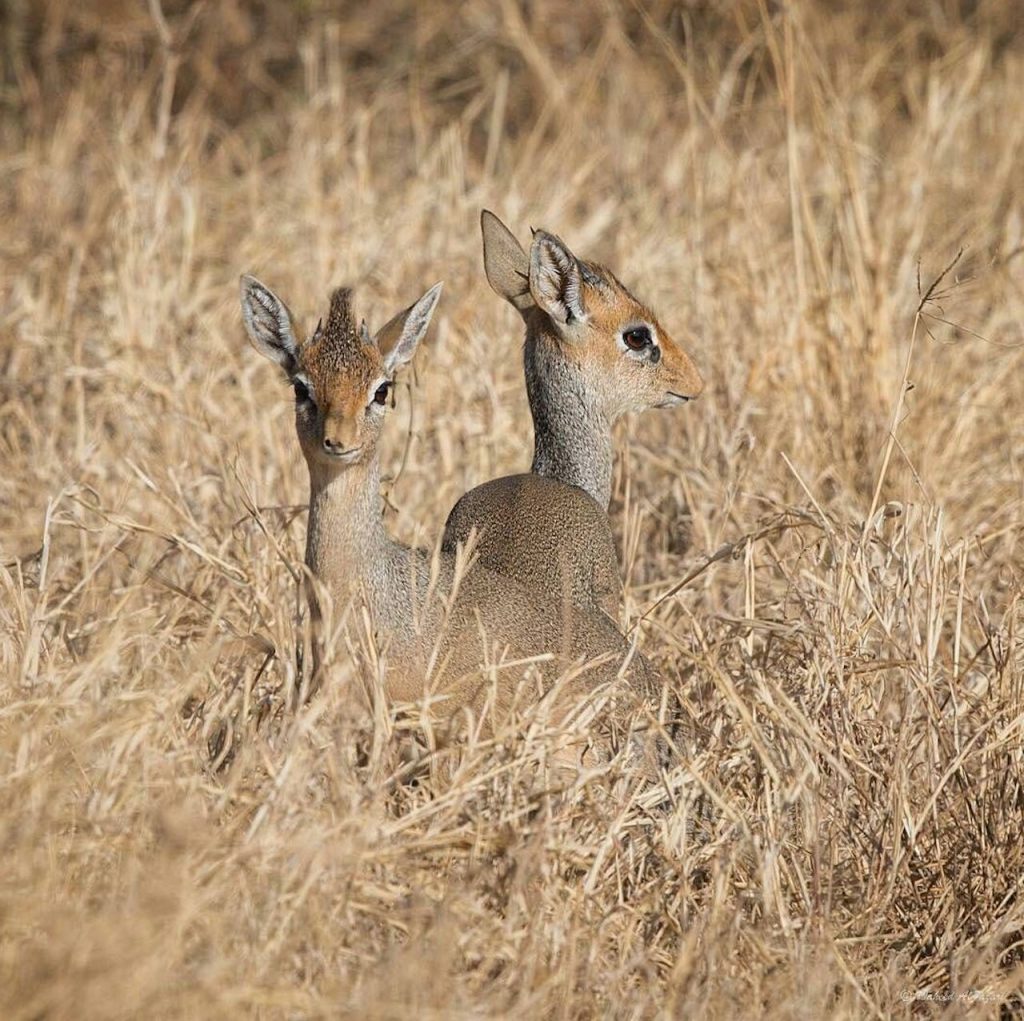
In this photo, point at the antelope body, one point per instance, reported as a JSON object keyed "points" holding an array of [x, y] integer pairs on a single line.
{"points": [[437, 630], [592, 353]]}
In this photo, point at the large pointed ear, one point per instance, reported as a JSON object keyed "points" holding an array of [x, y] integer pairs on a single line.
{"points": [[398, 339], [506, 264], [268, 323], [555, 279]]}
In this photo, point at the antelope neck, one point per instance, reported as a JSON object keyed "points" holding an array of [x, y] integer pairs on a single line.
{"points": [[346, 538], [572, 433]]}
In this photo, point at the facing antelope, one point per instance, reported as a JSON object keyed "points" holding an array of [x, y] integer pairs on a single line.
{"points": [[435, 632], [592, 353]]}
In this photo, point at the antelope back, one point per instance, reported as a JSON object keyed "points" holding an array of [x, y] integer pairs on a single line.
{"points": [[545, 535]]}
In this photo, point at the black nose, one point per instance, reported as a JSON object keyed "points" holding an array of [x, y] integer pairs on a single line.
{"points": [[333, 446]]}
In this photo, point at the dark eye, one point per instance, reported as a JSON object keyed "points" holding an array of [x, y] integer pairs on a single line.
{"points": [[637, 338], [381, 394], [301, 391]]}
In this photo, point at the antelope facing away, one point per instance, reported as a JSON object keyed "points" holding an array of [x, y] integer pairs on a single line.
{"points": [[592, 353], [436, 629]]}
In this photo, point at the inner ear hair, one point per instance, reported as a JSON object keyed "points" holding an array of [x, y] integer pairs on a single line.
{"points": [[556, 278], [398, 339], [268, 323]]}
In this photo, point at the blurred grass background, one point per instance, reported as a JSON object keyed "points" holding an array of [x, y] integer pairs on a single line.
{"points": [[824, 198]]}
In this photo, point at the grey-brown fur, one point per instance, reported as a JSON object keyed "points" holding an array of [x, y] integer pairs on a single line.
{"points": [[550, 526], [519, 511], [349, 550], [437, 634], [553, 523], [572, 432]]}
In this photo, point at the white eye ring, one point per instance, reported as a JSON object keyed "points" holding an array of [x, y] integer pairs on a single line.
{"points": [[639, 341]]}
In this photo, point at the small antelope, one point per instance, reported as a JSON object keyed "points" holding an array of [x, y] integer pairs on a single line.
{"points": [[434, 630], [592, 353]]}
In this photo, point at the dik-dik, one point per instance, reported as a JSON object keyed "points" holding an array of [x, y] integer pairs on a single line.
{"points": [[592, 353], [435, 632]]}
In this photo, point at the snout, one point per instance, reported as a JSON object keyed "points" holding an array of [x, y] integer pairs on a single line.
{"points": [[341, 438], [682, 379], [690, 384], [340, 451], [686, 387]]}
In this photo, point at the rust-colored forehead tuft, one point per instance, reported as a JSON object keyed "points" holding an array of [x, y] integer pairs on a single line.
{"points": [[336, 346], [340, 330]]}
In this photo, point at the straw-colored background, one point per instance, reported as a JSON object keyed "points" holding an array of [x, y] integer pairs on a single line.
{"points": [[782, 183]]}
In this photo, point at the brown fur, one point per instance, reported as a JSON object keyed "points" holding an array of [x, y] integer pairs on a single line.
{"points": [[518, 510], [553, 524], [438, 633]]}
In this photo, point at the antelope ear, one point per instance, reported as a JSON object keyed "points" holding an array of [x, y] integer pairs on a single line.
{"points": [[506, 264], [268, 323], [555, 279], [398, 339]]}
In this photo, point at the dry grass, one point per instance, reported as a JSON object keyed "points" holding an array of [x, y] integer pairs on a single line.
{"points": [[786, 184]]}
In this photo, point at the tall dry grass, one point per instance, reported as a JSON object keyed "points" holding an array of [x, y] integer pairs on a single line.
{"points": [[824, 553]]}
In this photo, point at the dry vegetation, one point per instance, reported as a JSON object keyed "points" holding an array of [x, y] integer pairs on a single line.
{"points": [[785, 184]]}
